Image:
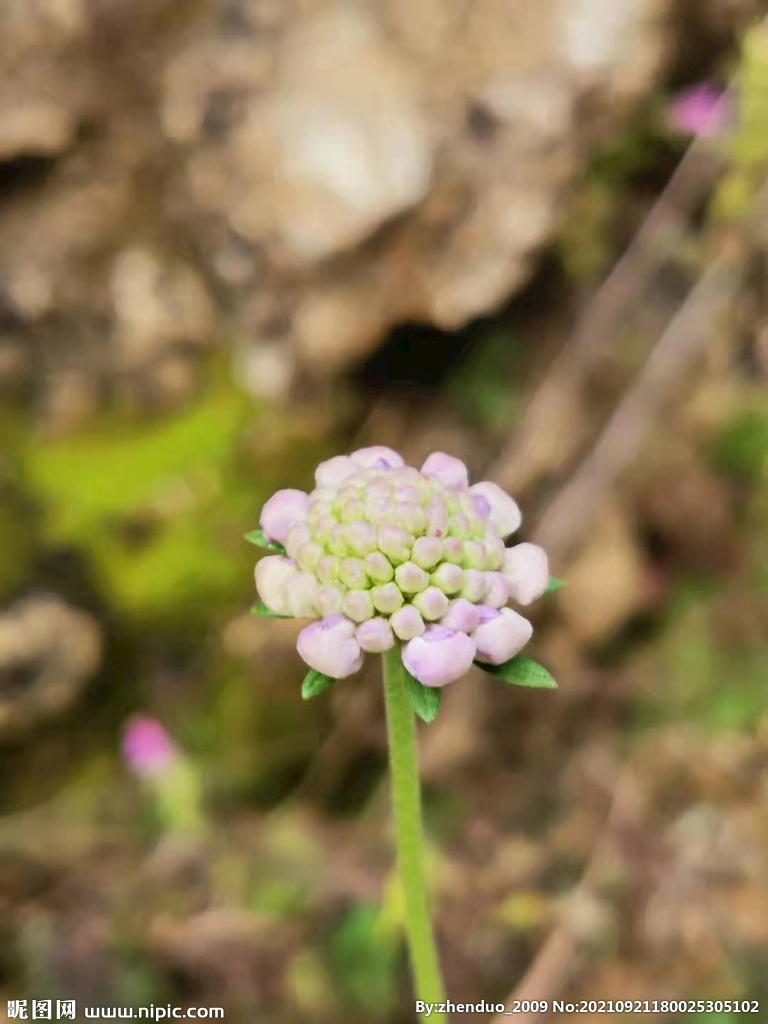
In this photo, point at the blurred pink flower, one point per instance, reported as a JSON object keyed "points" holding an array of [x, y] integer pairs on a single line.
{"points": [[147, 748], [701, 110]]}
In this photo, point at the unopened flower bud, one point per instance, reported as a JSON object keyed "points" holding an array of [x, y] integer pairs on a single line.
{"points": [[330, 598], [427, 552], [500, 635], [330, 647], [308, 556], [504, 515], [461, 616], [272, 574], [526, 568], [411, 578], [395, 543], [439, 656], [410, 517], [474, 554], [352, 511], [352, 574], [379, 568], [282, 512], [407, 623], [358, 605], [473, 587], [375, 636], [453, 550], [361, 539], [451, 472], [301, 595], [335, 471], [377, 457], [496, 590], [432, 603], [387, 598], [448, 577], [337, 541], [327, 569]]}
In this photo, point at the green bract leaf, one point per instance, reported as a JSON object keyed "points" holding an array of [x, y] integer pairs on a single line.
{"points": [[521, 671], [315, 683], [555, 584], [257, 537], [425, 700], [261, 610]]}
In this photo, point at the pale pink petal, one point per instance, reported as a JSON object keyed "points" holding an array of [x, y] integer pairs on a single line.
{"points": [[526, 570], [504, 514], [330, 647], [282, 512], [500, 635], [448, 470], [440, 656]]}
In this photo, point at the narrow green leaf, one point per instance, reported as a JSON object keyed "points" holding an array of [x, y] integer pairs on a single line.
{"points": [[315, 683], [257, 537], [425, 700], [521, 671], [263, 612], [554, 585]]}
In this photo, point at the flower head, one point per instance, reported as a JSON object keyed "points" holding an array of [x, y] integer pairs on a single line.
{"points": [[382, 554], [147, 748], [701, 110]]}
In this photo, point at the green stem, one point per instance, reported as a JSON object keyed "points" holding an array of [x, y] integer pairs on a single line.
{"points": [[409, 835]]}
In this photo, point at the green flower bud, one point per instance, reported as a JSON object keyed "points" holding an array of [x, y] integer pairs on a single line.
{"points": [[427, 552], [352, 574], [308, 556], [453, 550], [411, 578], [352, 511], [361, 539], [330, 598], [337, 541], [432, 603], [327, 569], [395, 543], [379, 568], [474, 554], [410, 517], [358, 605], [448, 578], [387, 598]]}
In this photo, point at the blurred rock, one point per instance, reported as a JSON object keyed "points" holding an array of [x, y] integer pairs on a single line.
{"points": [[304, 175], [48, 653]]}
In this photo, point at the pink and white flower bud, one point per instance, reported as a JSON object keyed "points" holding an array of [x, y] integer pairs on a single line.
{"points": [[308, 556], [495, 552], [330, 647], [410, 517], [437, 520], [526, 569], [375, 636], [504, 516], [377, 457], [337, 541], [474, 554], [272, 573], [395, 543], [461, 616], [427, 552], [387, 598], [358, 605], [296, 539], [301, 595], [379, 568], [411, 578], [330, 598], [407, 623], [473, 587], [327, 569], [440, 656], [432, 603], [147, 748], [496, 590], [282, 512], [335, 471], [500, 634], [361, 539], [450, 471], [352, 574], [448, 577], [453, 550]]}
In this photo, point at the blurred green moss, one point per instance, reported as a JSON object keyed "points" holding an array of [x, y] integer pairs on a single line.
{"points": [[741, 447]]}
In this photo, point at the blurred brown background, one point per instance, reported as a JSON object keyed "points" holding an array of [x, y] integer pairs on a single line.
{"points": [[240, 236]]}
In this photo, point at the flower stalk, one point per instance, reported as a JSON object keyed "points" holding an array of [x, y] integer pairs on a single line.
{"points": [[409, 834]]}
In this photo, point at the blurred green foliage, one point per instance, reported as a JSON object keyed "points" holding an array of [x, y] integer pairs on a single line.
{"points": [[741, 447], [364, 961]]}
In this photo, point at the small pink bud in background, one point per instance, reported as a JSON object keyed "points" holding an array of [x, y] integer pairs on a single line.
{"points": [[526, 570], [440, 656], [282, 512], [450, 471], [329, 646], [504, 515], [500, 635], [701, 110], [375, 636], [377, 457], [147, 748], [461, 616]]}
